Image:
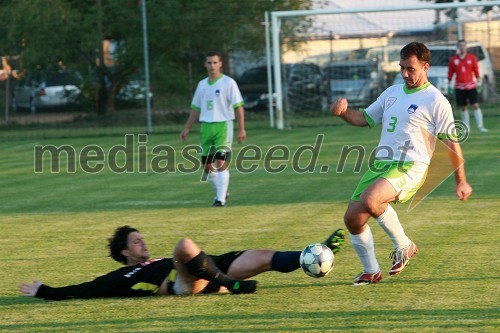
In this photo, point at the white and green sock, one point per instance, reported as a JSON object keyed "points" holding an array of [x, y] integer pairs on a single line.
{"points": [[365, 248], [389, 221], [212, 179], [466, 118], [222, 185], [478, 115]]}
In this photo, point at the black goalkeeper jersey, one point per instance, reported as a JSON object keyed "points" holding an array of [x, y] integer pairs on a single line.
{"points": [[142, 279]]}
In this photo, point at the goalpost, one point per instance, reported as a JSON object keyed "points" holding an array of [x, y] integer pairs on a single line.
{"points": [[356, 46]]}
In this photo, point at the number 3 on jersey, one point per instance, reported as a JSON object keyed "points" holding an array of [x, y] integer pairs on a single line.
{"points": [[392, 124]]}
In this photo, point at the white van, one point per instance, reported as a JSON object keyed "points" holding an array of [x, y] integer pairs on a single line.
{"points": [[441, 52], [388, 56]]}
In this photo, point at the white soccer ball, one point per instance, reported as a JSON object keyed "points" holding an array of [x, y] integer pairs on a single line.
{"points": [[317, 260]]}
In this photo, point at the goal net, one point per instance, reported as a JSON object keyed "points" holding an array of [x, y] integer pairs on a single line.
{"points": [[353, 52]]}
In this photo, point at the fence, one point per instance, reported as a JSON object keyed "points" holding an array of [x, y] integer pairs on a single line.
{"points": [[357, 51], [349, 51]]}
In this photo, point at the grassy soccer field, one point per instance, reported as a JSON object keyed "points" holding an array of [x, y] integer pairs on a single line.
{"points": [[55, 226]]}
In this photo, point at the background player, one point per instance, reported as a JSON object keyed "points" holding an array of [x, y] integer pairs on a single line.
{"points": [[216, 102], [467, 78]]}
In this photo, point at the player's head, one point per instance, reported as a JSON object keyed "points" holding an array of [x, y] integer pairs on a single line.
{"points": [[419, 50], [213, 63], [214, 54], [462, 46], [414, 62], [127, 246]]}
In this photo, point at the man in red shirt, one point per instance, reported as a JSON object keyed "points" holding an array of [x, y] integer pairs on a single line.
{"points": [[467, 79]]}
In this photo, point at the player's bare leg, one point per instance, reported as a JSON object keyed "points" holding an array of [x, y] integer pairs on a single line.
{"points": [[251, 263], [196, 269], [374, 202]]}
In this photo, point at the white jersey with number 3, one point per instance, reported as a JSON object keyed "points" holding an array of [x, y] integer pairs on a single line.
{"points": [[410, 120], [216, 100]]}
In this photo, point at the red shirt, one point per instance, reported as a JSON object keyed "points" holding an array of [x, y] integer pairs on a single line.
{"points": [[465, 70]]}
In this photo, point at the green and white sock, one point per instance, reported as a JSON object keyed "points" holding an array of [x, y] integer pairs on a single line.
{"points": [[389, 221]]}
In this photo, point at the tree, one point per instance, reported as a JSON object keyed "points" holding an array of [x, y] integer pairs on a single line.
{"points": [[44, 32]]}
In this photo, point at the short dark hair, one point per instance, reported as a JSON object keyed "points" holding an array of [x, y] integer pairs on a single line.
{"points": [[214, 54], [461, 41], [119, 242], [417, 49]]}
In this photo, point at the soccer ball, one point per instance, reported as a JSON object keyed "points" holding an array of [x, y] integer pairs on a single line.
{"points": [[317, 260]]}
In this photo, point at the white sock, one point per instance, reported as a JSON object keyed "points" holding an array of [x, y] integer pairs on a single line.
{"points": [[479, 117], [365, 248], [222, 185], [212, 179], [389, 221], [466, 118]]}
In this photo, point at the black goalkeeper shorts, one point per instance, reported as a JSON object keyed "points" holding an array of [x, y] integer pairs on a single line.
{"points": [[223, 262]]}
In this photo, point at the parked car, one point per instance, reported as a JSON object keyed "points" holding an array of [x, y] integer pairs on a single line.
{"points": [[441, 52], [254, 88], [307, 88], [42, 90], [388, 56], [304, 87], [134, 92], [360, 81]]}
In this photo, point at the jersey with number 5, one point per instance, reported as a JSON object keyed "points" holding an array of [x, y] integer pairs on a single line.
{"points": [[216, 100], [411, 120]]}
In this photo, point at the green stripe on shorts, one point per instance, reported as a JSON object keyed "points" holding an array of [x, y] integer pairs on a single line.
{"points": [[381, 169]]}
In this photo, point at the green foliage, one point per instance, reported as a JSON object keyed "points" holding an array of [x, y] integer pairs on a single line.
{"points": [[180, 32]]}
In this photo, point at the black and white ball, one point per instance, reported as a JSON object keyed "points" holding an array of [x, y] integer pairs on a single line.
{"points": [[317, 260]]}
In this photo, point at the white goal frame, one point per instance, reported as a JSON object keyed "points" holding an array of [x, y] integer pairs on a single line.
{"points": [[274, 50]]}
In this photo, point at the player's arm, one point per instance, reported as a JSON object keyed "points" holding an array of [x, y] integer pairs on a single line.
{"points": [[240, 118], [30, 289], [462, 188], [475, 69], [354, 117], [103, 286], [84, 290], [451, 70], [193, 118]]}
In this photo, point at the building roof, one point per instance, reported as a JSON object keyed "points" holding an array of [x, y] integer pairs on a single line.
{"points": [[382, 23]]}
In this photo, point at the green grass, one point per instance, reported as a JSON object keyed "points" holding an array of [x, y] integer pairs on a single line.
{"points": [[54, 228]]}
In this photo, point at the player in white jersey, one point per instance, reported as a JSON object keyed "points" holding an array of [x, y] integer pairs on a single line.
{"points": [[216, 102], [411, 115]]}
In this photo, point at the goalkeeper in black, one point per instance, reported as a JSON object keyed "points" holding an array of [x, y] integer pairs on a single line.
{"points": [[189, 272]]}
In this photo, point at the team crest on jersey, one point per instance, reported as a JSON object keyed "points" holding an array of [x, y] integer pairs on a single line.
{"points": [[412, 109], [457, 62], [217, 92], [391, 101]]}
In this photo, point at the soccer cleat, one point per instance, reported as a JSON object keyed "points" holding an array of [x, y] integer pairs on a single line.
{"points": [[335, 241], [401, 258], [367, 278], [243, 287], [218, 203], [482, 129]]}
